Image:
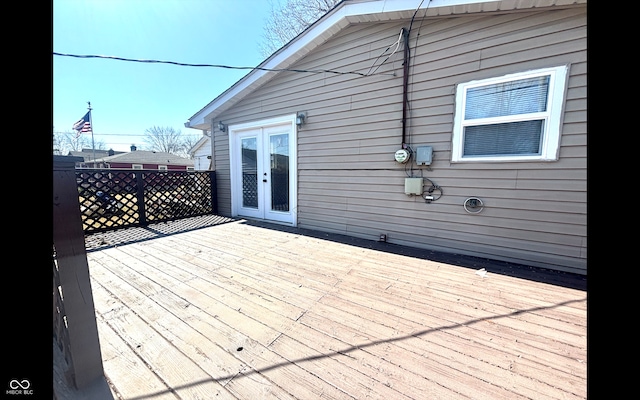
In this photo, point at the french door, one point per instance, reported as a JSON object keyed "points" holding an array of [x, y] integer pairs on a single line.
{"points": [[263, 170]]}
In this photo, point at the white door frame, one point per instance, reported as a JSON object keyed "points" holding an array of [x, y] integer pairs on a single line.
{"points": [[235, 160]]}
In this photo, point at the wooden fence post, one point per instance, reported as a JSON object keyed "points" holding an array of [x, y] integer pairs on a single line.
{"points": [[214, 192], [142, 206], [85, 368]]}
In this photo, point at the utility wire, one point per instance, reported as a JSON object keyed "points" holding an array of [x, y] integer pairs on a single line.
{"points": [[408, 102], [415, 12], [369, 73], [317, 71], [421, 21], [124, 134], [397, 43]]}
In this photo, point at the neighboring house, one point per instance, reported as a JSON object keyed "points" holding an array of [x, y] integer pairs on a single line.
{"points": [[140, 159], [494, 129], [201, 154], [89, 154]]}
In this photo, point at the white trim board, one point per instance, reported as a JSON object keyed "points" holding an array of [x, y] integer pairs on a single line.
{"points": [[234, 163]]}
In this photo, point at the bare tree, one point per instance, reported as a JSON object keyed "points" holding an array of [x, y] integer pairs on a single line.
{"points": [[188, 142], [168, 140], [287, 20], [56, 143], [64, 142]]}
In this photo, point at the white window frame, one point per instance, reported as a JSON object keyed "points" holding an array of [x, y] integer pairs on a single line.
{"points": [[552, 116], [136, 166], [162, 168]]}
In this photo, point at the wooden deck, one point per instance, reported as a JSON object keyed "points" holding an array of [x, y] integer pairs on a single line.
{"points": [[237, 310]]}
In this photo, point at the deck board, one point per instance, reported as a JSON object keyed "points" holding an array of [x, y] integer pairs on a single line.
{"points": [[123, 365], [243, 311]]}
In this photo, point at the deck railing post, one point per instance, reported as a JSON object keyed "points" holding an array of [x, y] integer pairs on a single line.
{"points": [[85, 368], [214, 192], [142, 207]]}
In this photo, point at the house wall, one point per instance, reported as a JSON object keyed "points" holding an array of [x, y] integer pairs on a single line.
{"points": [[535, 212], [201, 160]]}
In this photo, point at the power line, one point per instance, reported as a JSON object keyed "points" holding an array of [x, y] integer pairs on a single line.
{"points": [[316, 71], [128, 134], [416, 11], [407, 48], [397, 43]]}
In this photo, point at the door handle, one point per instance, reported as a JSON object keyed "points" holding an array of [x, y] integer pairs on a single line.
{"points": [[265, 177], [264, 180]]}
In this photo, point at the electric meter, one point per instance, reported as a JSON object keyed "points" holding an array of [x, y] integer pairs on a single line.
{"points": [[402, 156]]}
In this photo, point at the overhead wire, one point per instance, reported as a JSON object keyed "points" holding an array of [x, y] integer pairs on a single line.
{"points": [[397, 43], [416, 12], [408, 102], [124, 134], [368, 73], [360, 74], [406, 64], [317, 71], [407, 122]]}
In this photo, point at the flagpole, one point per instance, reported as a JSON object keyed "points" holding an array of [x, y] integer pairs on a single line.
{"points": [[93, 144]]}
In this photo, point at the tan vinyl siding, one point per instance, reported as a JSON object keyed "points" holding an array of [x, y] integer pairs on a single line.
{"points": [[535, 212], [222, 172]]}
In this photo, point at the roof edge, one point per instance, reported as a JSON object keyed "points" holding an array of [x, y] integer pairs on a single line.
{"points": [[342, 15]]}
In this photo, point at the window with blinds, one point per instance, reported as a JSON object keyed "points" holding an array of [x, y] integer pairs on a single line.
{"points": [[510, 118]]}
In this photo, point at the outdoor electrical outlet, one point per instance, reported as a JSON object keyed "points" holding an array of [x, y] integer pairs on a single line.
{"points": [[383, 237]]}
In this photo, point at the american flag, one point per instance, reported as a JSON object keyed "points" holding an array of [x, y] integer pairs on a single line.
{"points": [[83, 125]]}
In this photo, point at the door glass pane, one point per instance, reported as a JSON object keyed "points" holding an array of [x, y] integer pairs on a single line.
{"points": [[249, 173], [279, 159]]}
